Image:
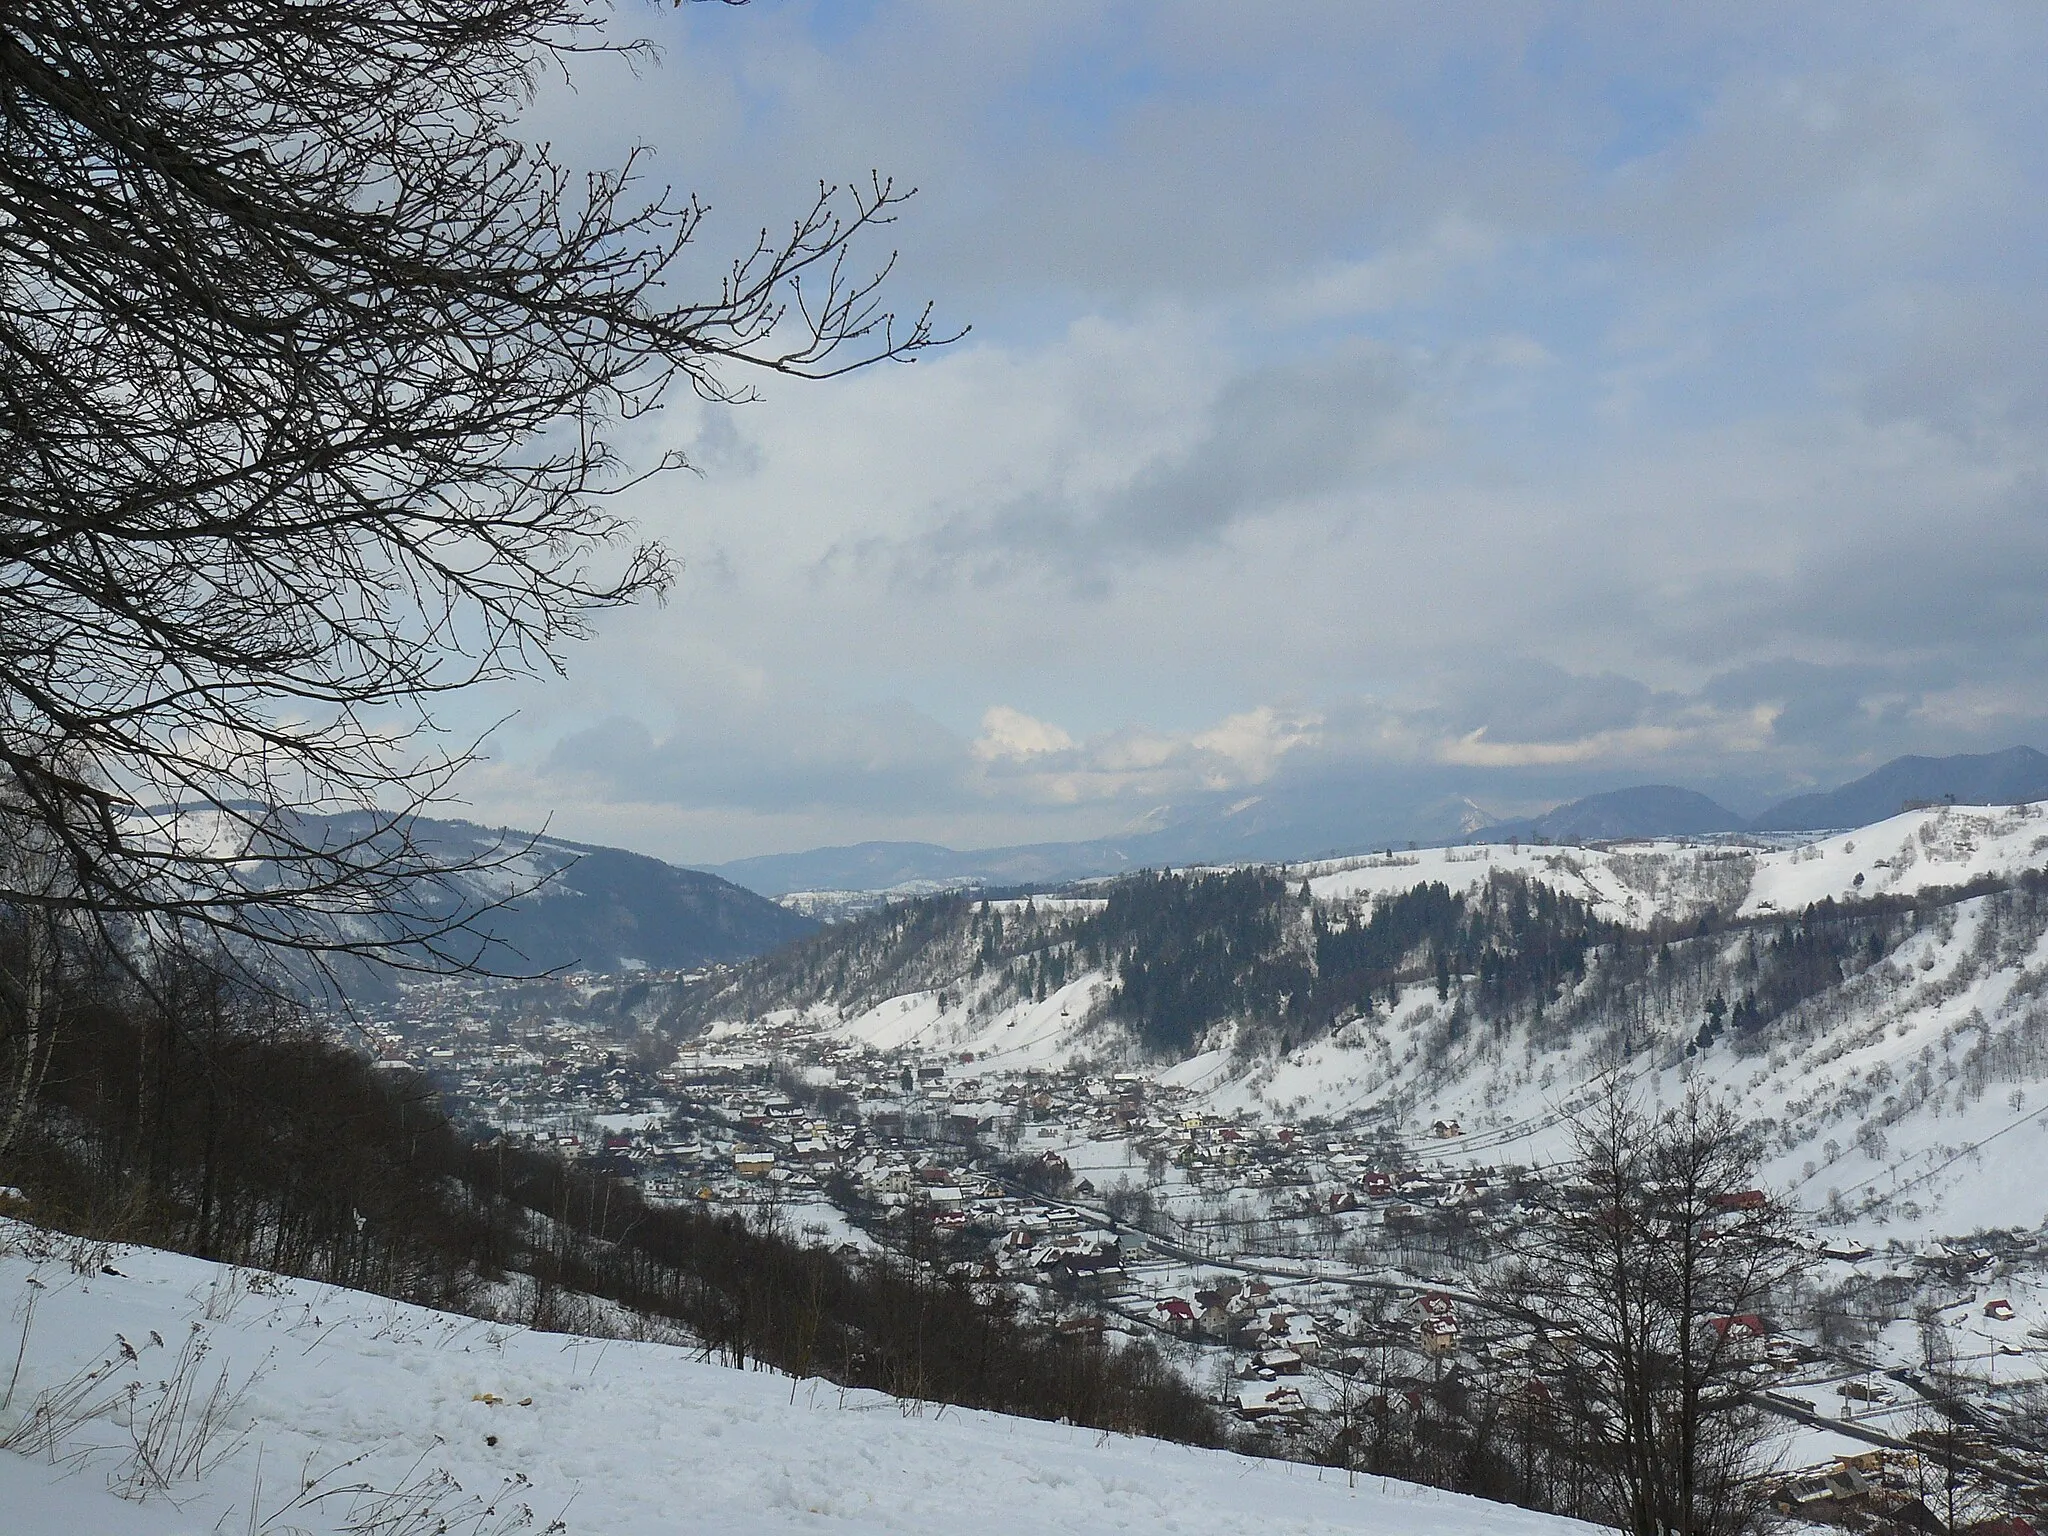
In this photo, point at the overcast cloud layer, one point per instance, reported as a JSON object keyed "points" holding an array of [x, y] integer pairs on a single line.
{"points": [[1515, 400]]}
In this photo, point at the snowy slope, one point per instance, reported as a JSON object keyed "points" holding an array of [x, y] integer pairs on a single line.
{"points": [[1917, 851], [1908, 1099], [611, 1438], [1677, 878]]}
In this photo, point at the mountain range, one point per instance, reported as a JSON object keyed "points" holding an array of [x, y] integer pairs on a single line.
{"points": [[545, 904], [560, 905], [1336, 818]]}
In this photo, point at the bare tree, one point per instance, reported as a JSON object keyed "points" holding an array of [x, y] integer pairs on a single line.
{"points": [[1655, 1270], [308, 374], [32, 946]]}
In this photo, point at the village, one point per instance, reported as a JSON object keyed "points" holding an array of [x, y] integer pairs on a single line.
{"points": [[1310, 1279]]}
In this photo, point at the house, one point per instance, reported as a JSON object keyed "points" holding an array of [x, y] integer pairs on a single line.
{"points": [[1445, 1129], [1784, 1352], [1221, 1294], [1825, 1496], [753, 1165], [1175, 1313], [1743, 1338], [1260, 1400], [1846, 1249], [1999, 1310], [1739, 1200], [1099, 1270], [1439, 1335]]}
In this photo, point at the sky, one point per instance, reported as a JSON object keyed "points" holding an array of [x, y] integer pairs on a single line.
{"points": [[1505, 401]]}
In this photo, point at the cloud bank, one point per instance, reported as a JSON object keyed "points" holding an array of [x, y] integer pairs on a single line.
{"points": [[1517, 400]]}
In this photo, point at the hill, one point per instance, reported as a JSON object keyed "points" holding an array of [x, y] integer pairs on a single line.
{"points": [[337, 1407], [914, 868], [605, 909], [1301, 821], [1872, 997], [547, 904], [1329, 816]]}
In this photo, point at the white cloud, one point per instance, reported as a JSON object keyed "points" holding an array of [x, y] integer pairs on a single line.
{"points": [[1250, 745], [1010, 734]]}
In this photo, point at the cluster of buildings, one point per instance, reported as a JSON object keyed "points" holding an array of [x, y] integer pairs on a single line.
{"points": [[1290, 1268]]}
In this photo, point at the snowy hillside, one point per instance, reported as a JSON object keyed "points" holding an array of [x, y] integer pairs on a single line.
{"points": [[343, 1412], [1677, 879], [1894, 1047]]}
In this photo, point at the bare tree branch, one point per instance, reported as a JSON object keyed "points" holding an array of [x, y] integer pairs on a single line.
{"points": [[308, 371]]}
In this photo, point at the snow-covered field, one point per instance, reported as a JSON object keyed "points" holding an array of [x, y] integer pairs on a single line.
{"points": [[431, 1422]]}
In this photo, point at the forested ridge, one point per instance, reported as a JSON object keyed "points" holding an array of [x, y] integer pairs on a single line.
{"points": [[1179, 954], [1184, 952]]}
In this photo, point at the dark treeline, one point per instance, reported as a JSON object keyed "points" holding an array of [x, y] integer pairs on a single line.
{"points": [[1190, 951], [186, 1111], [1495, 1435]]}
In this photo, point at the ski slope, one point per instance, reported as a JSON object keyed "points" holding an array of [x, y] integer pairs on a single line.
{"points": [[610, 1438]]}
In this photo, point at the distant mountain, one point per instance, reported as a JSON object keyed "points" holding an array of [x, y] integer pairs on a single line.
{"points": [[609, 907], [1303, 821], [1648, 810], [580, 906], [913, 866], [2011, 777], [1333, 815]]}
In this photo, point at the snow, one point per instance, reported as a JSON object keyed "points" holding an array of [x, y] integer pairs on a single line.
{"points": [[610, 1437], [1015, 1036], [1673, 877], [1958, 1159], [1916, 851], [1916, 1091]]}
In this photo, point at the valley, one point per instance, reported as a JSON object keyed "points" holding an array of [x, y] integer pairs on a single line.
{"points": [[1308, 1184]]}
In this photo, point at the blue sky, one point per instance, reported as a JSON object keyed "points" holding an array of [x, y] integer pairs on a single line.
{"points": [[1505, 400]]}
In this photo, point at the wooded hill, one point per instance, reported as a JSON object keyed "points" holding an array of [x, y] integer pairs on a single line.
{"points": [[1179, 954]]}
